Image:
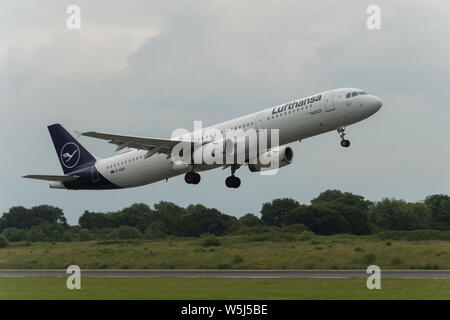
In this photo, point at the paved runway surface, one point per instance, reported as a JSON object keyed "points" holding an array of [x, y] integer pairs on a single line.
{"points": [[413, 274]]}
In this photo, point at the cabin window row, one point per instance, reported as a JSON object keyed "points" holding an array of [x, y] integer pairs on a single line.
{"points": [[243, 126], [121, 163]]}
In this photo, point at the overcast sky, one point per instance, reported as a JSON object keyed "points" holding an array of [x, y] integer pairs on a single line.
{"points": [[149, 67]]}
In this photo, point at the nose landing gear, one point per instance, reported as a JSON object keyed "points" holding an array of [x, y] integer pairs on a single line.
{"points": [[345, 143]]}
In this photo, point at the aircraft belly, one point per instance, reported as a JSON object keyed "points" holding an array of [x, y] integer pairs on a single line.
{"points": [[320, 123]]}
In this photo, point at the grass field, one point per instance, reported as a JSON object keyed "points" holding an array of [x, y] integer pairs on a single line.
{"points": [[320, 252], [185, 288]]}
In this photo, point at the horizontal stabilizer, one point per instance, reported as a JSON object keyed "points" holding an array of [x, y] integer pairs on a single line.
{"points": [[51, 178]]}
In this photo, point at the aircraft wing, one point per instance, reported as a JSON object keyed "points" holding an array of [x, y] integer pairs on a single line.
{"points": [[152, 145], [51, 178]]}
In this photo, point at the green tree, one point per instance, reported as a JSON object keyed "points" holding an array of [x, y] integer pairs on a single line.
{"points": [[319, 219], [126, 232], [14, 234], [49, 219], [171, 215], [249, 220], [440, 206], [354, 216], [90, 220], [346, 198], [35, 234], [392, 214], [272, 213], [17, 217], [51, 214], [199, 220], [85, 235], [156, 230], [3, 242]]}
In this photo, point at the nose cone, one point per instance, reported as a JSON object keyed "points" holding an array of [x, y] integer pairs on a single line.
{"points": [[375, 103], [378, 103]]}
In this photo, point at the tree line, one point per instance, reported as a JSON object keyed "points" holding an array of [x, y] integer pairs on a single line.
{"points": [[332, 212]]}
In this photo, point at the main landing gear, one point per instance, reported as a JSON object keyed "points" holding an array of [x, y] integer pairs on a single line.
{"points": [[233, 181], [345, 143], [192, 177]]}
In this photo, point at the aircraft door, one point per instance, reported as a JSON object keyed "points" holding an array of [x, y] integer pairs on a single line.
{"points": [[94, 174], [329, 105], [259, 121]]}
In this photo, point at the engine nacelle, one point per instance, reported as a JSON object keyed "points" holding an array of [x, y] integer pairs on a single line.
{"points": [[182, 166], [285, 156]]}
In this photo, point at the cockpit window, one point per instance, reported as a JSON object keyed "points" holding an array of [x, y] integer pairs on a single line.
{"points": [[354, 94]]}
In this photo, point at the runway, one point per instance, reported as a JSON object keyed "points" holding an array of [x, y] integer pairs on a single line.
{"points": [[256, 274]]}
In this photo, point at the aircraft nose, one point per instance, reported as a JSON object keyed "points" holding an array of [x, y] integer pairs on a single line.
{"points": [[378, 103], [375, 103]]}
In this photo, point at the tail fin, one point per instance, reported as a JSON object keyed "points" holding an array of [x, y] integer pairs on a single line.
{"points": [[72, 155]]}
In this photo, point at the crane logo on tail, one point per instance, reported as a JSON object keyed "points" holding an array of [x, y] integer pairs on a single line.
{"points": [[70, 155]]}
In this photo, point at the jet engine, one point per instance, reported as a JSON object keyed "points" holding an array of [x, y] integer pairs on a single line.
{"points": [[284, 154]]}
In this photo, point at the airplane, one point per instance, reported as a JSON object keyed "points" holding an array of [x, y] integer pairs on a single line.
{"points": [[147, 160]]}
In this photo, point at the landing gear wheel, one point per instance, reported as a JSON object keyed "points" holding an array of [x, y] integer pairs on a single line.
{"points": [[345, 143], [196, 177], [192, 178], [188, 178], [232, 182]]}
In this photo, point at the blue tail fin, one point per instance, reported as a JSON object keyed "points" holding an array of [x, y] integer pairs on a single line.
{"points": [[72, 155]]}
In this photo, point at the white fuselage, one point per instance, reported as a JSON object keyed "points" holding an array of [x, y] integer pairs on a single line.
{"points": [[295, 120]]}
